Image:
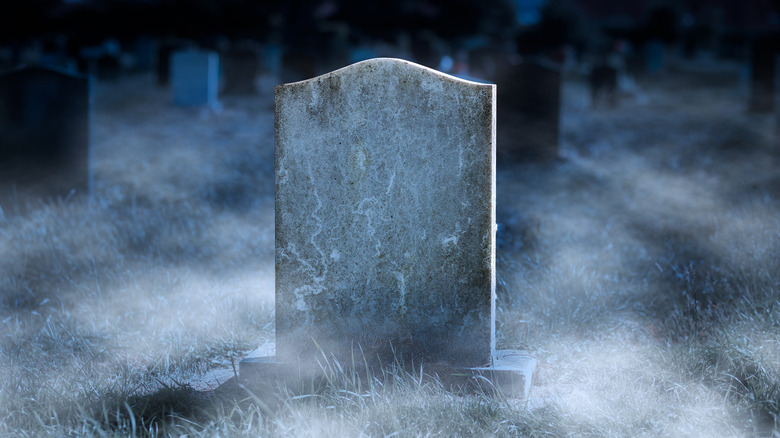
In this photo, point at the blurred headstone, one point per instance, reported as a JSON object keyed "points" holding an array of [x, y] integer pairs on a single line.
{"points": [[239, 71], [654, 53], [143, 51], [385, 215], [195, 78], [164, 52], [777, 100], [44, 127], [603, 81], [529, 106], [762, 74]]}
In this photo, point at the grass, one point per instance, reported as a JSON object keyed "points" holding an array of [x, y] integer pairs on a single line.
{"points": [[641, 272]]}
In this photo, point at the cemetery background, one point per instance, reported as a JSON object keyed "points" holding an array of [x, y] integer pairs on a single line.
{"points": [[640, 268], [640, 271]]}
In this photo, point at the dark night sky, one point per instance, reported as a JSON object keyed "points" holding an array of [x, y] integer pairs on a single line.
{"points": [[449, 18]]}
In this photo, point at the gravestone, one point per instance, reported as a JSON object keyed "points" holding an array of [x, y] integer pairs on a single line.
{"points": [[163, 66], [44, 128], [143, 51], [529, 107], [762, 74], [385, 222], [603, 82], [777, 100], [239, 71], [654, 54], [195, 78], [384, 214]]}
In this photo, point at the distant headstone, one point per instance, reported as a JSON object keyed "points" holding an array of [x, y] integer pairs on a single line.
{"points": [[603, 81], [385, 216], [195, 78], [163, 67], [239, 71], [529, 106], [654, 54], [777, 99], [44, 133], [143, 51], [762, 74]]}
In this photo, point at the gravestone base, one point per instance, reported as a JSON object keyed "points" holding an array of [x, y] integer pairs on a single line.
{"points": [[511, 374]]}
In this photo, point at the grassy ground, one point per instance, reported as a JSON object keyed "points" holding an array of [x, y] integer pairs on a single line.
{"points": [[641, 271]]}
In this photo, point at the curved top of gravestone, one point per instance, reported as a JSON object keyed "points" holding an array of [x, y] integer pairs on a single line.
{"points": [[380, 66]]}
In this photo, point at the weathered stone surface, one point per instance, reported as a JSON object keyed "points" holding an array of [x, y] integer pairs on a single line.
{"points": [[385, 212]]}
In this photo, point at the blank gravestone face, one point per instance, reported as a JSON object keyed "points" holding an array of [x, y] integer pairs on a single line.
{"points": [[195, 78], [44, 127], [385, 211]]}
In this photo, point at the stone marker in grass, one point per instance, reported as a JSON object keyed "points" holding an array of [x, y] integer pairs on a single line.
{"points": [[44, 135], [385, 219], [195, 78]]}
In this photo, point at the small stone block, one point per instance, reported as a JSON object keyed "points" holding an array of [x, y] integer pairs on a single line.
{"points": [[261, 369], [511, 373]]}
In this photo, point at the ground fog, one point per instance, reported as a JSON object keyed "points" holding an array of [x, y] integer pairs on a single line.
{"points": [[641, 270]]}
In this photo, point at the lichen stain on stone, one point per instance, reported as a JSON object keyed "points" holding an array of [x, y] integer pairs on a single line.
{"points": [[359, 160]]}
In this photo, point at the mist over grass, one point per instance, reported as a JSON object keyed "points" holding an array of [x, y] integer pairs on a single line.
{"points": [[641, 270]]}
